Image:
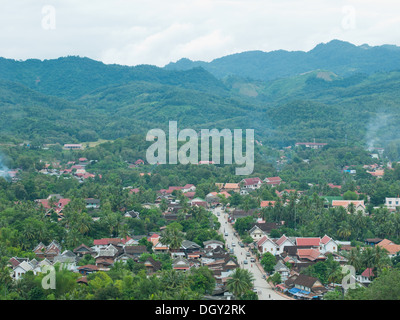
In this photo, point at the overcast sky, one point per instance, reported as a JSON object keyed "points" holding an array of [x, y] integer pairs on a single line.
{"points": [[160, 31]]}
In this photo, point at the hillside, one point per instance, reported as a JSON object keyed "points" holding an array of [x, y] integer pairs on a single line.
{"points": [[79, 99]]}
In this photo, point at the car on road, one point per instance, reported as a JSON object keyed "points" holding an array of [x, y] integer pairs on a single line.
{"points": [[233, 244], [241, 244], [252, 260], [247, 254], [226, 234], [245, 262]]}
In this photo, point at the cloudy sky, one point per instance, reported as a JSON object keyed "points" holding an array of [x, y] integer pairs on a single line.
{"points": [[132, 32]]}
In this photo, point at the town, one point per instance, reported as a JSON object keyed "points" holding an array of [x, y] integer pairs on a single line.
{"points": [[254, 225]]}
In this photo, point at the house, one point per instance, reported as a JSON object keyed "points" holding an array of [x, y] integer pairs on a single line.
{"points": [[47, 252], [231, 187], [365, 277], [392, 203], [189, 246], [273, 181], [256, 233], [313, 255], [324, 244], [188, 188], [21, 269], [282, 269], [152, 265], [105, 259], [154, 238], [21, 266], [135, 251], [92, 203], [261, 229], [180, 263], [306, 287], [328, 245], [131, 252], [198, 202], [265, 244], [251, 183], [160, 248], [390, 246], [283, 242], [67, 260], [358, 205], [83, 250]]}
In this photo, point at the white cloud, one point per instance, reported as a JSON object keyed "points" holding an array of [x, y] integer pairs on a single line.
{"points": [[160, 31]]}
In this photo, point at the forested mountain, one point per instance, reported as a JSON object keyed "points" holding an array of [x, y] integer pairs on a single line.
{"points": [[337, 56], [350, 97]]}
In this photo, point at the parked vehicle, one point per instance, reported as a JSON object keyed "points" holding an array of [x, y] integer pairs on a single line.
{"points": [[252, 260]]}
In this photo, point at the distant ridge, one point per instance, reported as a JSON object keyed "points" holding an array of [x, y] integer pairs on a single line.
{"points": [[340, 57]]}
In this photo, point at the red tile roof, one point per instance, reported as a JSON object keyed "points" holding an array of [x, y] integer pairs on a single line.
{"points": [[264, 204], [307, 242], [326, 239], [367, 273], [252, 181], [309, 254]]}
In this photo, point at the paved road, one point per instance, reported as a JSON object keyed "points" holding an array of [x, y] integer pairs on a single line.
{"points": [[264, 289]]}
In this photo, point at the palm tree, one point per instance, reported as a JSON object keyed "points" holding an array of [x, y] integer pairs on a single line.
{"points": [[240, 282], [344, 230], [124, 231], [172, 237], [172, 279], [354, 258]]}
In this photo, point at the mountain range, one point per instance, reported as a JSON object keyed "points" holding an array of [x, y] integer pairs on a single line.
{"points": [[334, 92], [337, 56]]}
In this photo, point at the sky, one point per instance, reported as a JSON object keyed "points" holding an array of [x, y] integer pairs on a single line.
{"points": [[161, 31]]}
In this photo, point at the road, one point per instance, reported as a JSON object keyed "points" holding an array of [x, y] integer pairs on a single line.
{"points": [[264, 289]]}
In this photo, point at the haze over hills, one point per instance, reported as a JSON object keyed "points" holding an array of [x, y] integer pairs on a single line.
{"points": [[334, 91]]}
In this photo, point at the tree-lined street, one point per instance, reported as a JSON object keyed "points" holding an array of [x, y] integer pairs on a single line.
{"points": [[263, 288]]}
